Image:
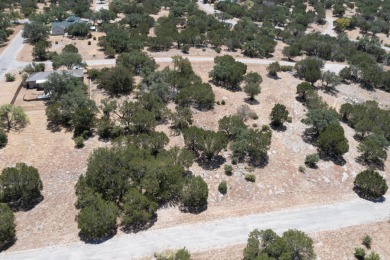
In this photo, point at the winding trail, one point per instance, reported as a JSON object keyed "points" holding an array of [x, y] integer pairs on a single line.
{"points": [[202, 236]]}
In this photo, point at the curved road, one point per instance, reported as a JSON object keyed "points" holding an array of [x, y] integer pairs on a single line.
{"points": [[219, 233]]}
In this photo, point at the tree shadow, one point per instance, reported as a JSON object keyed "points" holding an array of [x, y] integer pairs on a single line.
{"points": [[7, 245], [108, 236], [138, 228], [276, 77], [278, 127], [331, 91], [338, 160], [260, 163], [251, 101], [373, 164], [215, 162], [22, 207], [193, 210], [363, 196], [308, 137]]}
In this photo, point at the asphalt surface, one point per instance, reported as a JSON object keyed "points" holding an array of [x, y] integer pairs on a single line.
{"points": [[202, 236], [8, 57]]}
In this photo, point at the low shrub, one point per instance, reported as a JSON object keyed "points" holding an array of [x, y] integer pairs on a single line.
{"points": [[222, 187], [79, 141], [9, 77], [228, 169], [250, 177]]}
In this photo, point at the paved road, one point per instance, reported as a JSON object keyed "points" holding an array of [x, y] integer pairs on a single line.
{"points": [[8, 57], [217, 233]]}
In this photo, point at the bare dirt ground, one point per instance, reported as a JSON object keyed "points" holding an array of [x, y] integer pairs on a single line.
{"points": [[356, 34], [88, 52], [16, 29], [328, 245], [278, 185], [8, 89]]}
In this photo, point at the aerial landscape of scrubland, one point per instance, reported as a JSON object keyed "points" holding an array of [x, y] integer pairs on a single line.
{"points": [[183, 129]]}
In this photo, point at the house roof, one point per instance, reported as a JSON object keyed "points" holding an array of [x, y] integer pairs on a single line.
{"points": [[40, 77], [68, 22]]}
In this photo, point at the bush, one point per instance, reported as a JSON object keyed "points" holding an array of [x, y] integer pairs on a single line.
{"points": [[234, 160], [20, 186], [223, 102], [185, 48], [222, 187], [311, 160], [367, 241], [89, 42], [79, 142], [7, 225], [9, 77], [97, 220], [194, 194], [360, 253], [228, 169], [3, 139], [183, 254], [285, 68], [370, 184], [373, 256], [218, 50], [302, 168], [250, 177], [94, 38]]}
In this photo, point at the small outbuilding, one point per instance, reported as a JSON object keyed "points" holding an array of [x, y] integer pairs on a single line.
{"points": [[36, 80]]}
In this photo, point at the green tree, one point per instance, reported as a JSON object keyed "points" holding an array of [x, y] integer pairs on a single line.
{"points": [[138, 210], [194, 194], [20, 186], [137, 62], [40, 51], [290, 51], [332, 140], [181, 119], [79, 29], [97, 220], [67, 59], [70, 48], [273, 69], [12, 117], [252, 90], [35, 32], [330, 80], [299, 244], [116, 81], [183, 254], [370, 184], [303, 88], [320, 119], [374, 148], [309, 69], [222, 187], [279, 114], [83, 119], [227, 72], [7, 226], [231, 126]]}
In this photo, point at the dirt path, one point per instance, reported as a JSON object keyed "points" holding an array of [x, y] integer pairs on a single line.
{"points": [[218, 233]]}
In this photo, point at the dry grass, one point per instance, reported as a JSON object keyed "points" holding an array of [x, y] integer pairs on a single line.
{"points": [[328, 245]]}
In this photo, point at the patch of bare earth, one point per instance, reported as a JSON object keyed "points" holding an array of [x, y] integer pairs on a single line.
{"points": [[328, 245], [278, 185]]}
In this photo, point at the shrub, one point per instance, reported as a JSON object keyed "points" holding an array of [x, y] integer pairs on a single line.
{"points": [[367, 241], [360, 253], [370, 184], [194, 194], [9, 77], [285, 68], [56, 42], [7, 225], [218, 50], [94, 38], [302, 168], [311, 160], [228, 169], [373, 256], [97, 220], [185, 48], [3, 139], [79, 141], [250, 177], [223, 102], [183, 254], [234, 160], [222, 187], [20, 186], [89, 42]]}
